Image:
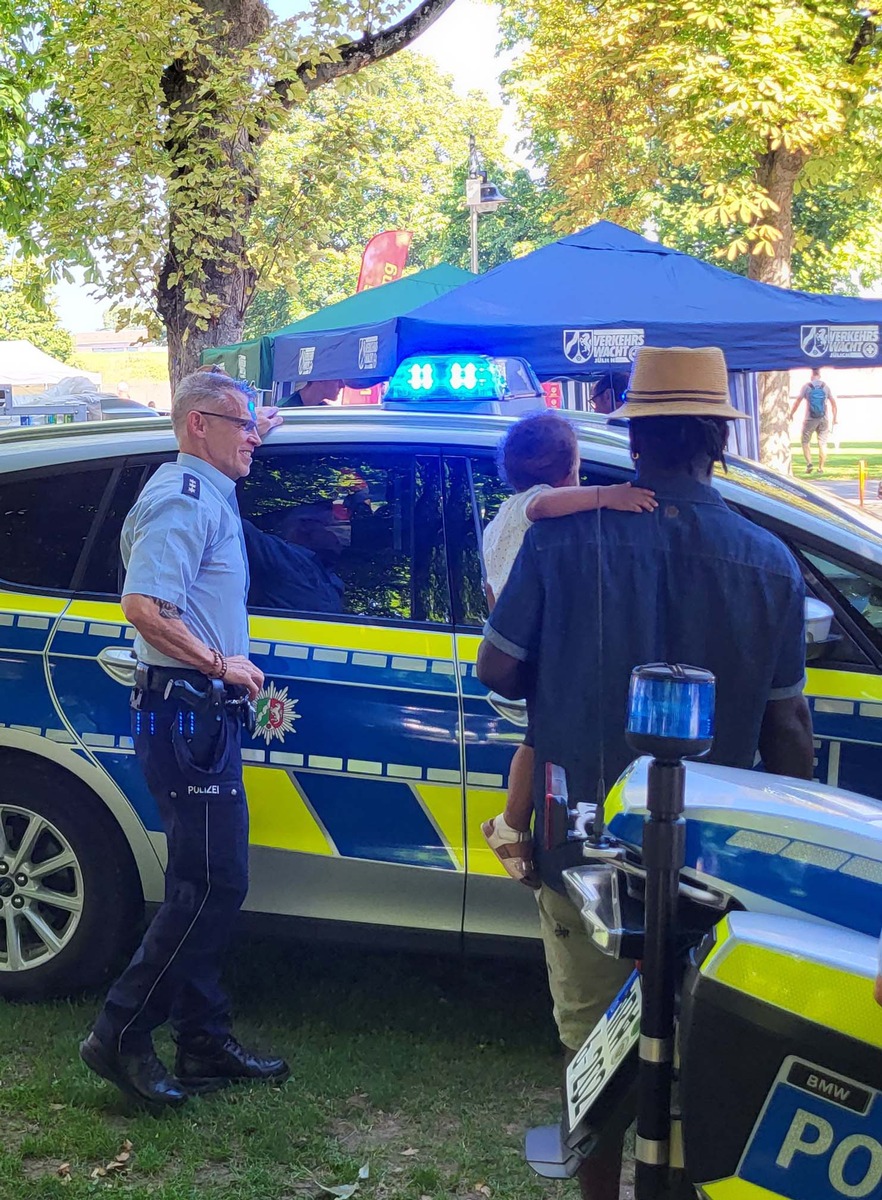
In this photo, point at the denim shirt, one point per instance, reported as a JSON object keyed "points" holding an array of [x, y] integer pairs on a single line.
{"points": [[692, 582]]}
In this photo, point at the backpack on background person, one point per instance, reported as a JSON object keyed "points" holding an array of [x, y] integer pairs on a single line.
{"points": [[817, 400]]}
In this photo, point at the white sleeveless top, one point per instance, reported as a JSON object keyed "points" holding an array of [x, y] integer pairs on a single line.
{"points": [[505, 534]]}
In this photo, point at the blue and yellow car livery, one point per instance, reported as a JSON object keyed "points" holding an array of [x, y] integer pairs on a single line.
{"points": [[377, 753]]}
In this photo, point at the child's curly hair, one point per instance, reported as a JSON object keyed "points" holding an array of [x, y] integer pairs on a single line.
{"points": [[540, 448]]}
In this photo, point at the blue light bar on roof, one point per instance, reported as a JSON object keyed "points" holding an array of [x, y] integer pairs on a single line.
{"points": [[465, 383], [447, 377]]}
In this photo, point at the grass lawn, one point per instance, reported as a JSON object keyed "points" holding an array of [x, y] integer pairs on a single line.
{"points": [[842, 463], [423, 1072]]}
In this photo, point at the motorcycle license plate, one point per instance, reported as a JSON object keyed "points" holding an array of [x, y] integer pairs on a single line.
{"points": [[604, 1051]]}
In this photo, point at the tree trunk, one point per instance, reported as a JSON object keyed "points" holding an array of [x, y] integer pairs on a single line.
{"points": [[226, 274], [777, 172], [226, 271], [185, 340]]}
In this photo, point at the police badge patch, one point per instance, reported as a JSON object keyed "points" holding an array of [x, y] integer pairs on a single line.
{"points": [[276, 714]]}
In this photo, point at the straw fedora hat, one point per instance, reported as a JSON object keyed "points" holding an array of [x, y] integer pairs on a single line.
{"points": [[676, 382]]}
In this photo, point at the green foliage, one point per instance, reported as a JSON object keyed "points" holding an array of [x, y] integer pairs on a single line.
{"points": [[521, 225], [269, 311], [23, 75], [386, 150], [136, 128], [377, 152], [671, 111], [24, 310], [837, 244]]}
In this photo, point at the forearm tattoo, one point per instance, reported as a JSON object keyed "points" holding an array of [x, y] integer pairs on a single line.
{"points": [[171, 612]]}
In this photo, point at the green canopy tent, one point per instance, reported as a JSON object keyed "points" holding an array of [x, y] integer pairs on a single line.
{"points": [[253, 361]]}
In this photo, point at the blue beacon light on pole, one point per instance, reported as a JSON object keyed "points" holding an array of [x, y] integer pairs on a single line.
{"points": [[671, 717]]}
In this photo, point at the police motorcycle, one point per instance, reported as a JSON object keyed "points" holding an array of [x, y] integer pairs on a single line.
{"points": [[747, 1041]]}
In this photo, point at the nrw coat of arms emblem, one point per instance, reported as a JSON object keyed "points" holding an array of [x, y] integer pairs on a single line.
{"points": [[276, 714]]}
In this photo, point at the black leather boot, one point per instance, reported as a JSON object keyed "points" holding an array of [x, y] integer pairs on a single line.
{"points": [[205, 1064], [141, 1076]]}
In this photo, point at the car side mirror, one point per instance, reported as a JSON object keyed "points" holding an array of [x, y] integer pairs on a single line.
{"points": [[817, 651]]}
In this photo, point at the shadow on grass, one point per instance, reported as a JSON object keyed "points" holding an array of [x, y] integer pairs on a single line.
{"points": [[347, 989]]}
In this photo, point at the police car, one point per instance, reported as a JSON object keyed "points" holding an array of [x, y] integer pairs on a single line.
{"points": [[377, 752]]}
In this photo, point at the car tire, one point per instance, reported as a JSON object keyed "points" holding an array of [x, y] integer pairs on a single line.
{"points": [[70, 894]]}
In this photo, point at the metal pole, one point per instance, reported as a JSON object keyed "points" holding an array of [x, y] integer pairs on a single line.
{"points": [[664, 845], [473, 238]]}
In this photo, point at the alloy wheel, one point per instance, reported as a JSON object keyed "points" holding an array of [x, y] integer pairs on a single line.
{"points": [[41, 889]]}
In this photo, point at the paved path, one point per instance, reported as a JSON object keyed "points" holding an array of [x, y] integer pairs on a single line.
{"points": [[847, 489]]}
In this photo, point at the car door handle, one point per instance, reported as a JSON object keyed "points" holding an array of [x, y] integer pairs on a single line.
{"points": [[119, 662], [512, 710]]}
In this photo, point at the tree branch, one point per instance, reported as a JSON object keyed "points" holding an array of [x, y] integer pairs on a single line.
{"points": [[368, 49], [864, 37]]}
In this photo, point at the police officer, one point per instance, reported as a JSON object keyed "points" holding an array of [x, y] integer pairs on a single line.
{"points": [[185, 593]]}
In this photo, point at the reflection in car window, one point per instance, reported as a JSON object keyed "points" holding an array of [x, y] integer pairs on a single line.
{"points": [[45, 518], [346, 532], [463, 477], [101, 572], [861, 591]]}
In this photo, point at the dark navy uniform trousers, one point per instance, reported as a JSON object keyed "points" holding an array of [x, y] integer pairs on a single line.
{"points": [[192, 763]]}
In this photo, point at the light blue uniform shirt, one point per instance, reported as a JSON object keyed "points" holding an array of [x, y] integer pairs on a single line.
{"points": [[182, 542]]}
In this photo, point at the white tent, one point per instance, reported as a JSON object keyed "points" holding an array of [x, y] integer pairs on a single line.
{"points": [[24, 366]]}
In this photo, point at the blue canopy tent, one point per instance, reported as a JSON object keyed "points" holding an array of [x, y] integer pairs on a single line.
{"points": [[584, 304], [589, 300]]}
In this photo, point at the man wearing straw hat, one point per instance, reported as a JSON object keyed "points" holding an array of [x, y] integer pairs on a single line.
{"points": [[691, 582]]}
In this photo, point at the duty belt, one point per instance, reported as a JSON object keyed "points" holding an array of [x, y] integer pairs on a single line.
{"points": [[194, 690]]}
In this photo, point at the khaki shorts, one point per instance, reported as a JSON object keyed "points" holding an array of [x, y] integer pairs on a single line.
{"points": [[818, 425], [583, 981]]}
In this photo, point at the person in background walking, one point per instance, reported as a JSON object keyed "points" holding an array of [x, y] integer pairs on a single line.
{"points": [[817, 396]]}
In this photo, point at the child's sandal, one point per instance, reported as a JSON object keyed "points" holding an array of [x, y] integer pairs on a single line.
{"points": [[516, 856]]}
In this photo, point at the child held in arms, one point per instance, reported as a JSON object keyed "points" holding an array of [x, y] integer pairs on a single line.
{"points": [[539, 460]]}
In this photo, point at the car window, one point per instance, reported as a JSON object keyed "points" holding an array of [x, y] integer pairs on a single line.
{"points": [[810, 502], [45, 520], [346, 532], [474, 493], [100, 571]]}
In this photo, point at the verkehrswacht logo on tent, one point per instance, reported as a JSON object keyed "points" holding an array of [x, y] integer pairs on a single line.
{"points": [[839, 341], [602, 345], [367, 353]]}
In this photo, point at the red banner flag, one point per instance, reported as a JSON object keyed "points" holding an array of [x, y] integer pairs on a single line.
{"points": [[384, 258], [383, 261]]}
